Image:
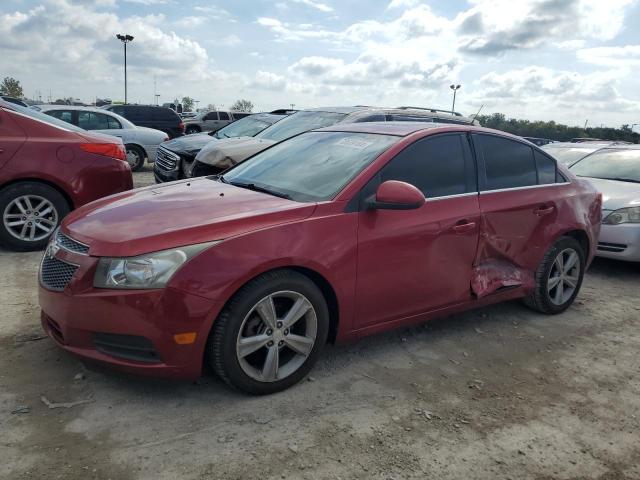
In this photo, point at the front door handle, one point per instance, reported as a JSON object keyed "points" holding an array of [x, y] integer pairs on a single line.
{"points": [[544, 210], [464, 226]]}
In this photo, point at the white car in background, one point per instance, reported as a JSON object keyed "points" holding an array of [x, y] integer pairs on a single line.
{"points": [[140, 142]]}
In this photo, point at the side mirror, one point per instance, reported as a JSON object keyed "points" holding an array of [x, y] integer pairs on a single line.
{"points": [[395, 195]]}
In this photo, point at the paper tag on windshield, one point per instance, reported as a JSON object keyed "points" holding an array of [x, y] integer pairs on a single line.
{"points": [[353, 142]]}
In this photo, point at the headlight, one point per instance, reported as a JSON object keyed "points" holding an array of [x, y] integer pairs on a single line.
{"points": [[624, 215], [152, 270]]}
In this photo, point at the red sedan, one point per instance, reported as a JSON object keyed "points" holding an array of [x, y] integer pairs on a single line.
{"points": [[327, 236], [47, 168]]}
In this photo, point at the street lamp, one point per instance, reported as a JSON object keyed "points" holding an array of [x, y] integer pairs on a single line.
{"points": [[125, 39], [455, 88]]}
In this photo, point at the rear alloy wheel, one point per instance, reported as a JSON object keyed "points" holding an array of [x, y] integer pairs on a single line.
{"points": [[271, 334], [135, 157], [559, 277], [30, 213]]}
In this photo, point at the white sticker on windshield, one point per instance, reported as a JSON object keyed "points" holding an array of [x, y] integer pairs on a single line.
{"points": [[354, 142]]}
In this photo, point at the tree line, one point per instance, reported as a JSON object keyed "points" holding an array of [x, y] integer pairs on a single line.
{"points": [[555, 131]]}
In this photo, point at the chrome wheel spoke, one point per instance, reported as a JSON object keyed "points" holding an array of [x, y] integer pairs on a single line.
{"points": [[559, 293], [553, 283], [248, 345], [559, 263], [570, 281], [299, 344], [571, 262], [297, 311], [271, 364], [42, 227], [18, 204], [267, 311]]}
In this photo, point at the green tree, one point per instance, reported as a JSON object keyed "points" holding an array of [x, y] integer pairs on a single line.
{"points": [[242, 106], [187, 104], [11, 87]]}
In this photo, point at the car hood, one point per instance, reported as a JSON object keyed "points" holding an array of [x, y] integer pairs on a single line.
{"points": [[616, 194], [231, 151], [191, 144], [181, 213]]}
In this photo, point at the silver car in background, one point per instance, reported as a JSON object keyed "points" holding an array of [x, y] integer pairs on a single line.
{"points": [[615, 171], [568, 153], [210, 121], [139, 142]]}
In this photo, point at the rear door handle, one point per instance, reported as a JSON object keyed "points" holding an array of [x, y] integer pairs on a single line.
{"points": [[544, 210], [464, 226]]}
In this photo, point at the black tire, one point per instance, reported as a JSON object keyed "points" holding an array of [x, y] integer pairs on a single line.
{"points": [[192, 129], [221, 346], [12, 192], [139, 154], [541, 298]]}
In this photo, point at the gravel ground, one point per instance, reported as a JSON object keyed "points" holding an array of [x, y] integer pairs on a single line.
{"points": [[497, 393]]}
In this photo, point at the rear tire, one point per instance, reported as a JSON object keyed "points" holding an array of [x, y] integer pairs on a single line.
{"points": [[192, 129], [558, 278], [28, 207], [270, 334], [135, 157]]}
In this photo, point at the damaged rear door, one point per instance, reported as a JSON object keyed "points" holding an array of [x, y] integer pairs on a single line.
{"points": [[518, 205], [415, 261]]}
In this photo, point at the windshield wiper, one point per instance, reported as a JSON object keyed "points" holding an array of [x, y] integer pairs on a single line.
{"points": [[220, 178], [257, 188]]}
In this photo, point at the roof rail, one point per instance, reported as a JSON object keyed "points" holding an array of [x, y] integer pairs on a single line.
{"points": [[434, 110]]}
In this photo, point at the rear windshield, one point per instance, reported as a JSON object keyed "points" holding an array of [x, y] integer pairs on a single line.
{"points": [[247, 126], [29, 112], [568, 155], [298, 123], [623, 165]]}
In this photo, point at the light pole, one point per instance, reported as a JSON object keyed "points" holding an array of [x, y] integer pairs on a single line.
{"points": [[125, 39], [455, 88]]}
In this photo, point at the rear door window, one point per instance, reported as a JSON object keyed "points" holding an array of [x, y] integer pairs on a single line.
{"points": [[439, 166], [223, 115], [546, 168], [507, 163], [64, 115]]}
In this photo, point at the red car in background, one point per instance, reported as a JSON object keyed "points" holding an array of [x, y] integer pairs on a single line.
{"points": [[325, 236], [48, 168]]}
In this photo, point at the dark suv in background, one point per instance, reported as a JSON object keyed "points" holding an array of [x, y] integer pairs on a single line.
{"points": [[159, 118]]}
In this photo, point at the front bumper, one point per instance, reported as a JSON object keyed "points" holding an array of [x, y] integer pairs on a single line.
{"points": [[130, 330], [621, 242]]}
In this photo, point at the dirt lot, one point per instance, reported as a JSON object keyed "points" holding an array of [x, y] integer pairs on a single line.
{"points": [[497, 393]]}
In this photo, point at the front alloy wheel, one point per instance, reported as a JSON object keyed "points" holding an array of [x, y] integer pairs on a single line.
{"points": [[564, 276], [277, 336], [270, 334]]}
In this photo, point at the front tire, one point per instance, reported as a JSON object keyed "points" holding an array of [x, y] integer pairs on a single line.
{"points": [[270, 334], [135, 157], [558, 278], [192, 129], [30, 212]]}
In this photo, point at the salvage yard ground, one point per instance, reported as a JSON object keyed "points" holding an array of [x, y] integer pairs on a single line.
{"points": [[501, 392]]}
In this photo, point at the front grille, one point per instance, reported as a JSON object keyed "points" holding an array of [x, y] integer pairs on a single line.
{"points": [[166, 160], [611, 247], [70, 244], [56, 274], [128, 347]]}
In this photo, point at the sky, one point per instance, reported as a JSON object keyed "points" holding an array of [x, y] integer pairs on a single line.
{"points": [[563, 60]]}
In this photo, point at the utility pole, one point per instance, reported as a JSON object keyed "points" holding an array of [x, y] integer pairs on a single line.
{"points": [[455, 89], [125, 39]]}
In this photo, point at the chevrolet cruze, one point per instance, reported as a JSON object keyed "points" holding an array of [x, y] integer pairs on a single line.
{"points": [[329, 236]]}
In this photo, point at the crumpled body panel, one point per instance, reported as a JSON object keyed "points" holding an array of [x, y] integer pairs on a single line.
{"points": [[494, 274]]}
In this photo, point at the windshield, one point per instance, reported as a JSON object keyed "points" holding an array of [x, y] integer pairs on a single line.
{"points": [[246, 127], [300, 122], [611, 165], [568, 156], [313, 166], [29, 112]]}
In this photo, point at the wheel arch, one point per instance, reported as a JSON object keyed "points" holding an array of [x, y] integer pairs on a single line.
{"points": [[53, 185], [582, 238]]}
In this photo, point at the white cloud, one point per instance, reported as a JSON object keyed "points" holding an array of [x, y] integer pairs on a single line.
{"points": [[323, 7], [622, 56], [403, 3], [231, 40]]}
